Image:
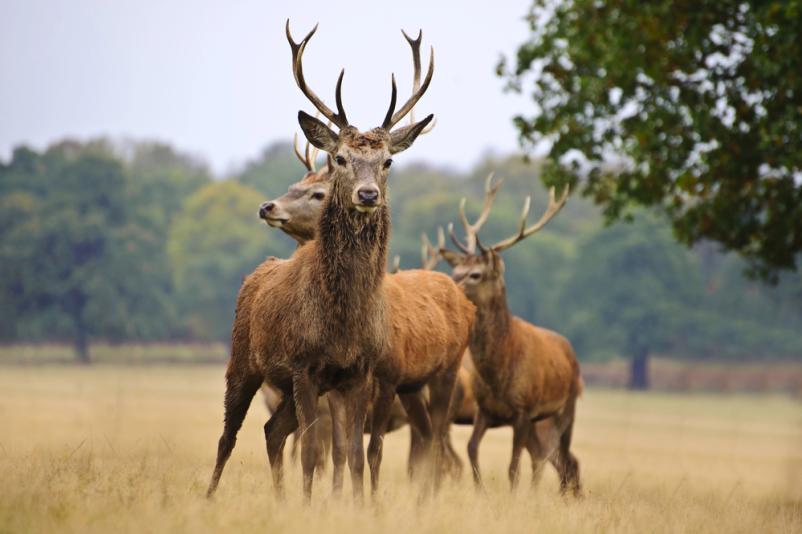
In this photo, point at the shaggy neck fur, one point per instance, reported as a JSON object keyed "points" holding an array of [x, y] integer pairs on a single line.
{"points": [[492, 327], [352, 253]]}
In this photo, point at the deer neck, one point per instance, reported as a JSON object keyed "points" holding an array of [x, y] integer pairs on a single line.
{"points": [[352, 253], [492, 327]]}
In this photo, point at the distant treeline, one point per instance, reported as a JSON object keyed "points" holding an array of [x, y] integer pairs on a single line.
{"points": [[139, 242]]}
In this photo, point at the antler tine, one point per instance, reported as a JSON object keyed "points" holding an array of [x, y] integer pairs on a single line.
{"points": [[303, 158], [312, 155], [417, 90], [393, 97], [456, 241], [430, 254], [523, 232], [338, 118], [416, 63], [307, 154], [414, 44], [472, 229], [425, 249]]}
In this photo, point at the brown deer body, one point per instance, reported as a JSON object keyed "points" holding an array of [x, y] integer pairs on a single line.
{"points": [[319, 321], [430, 318], [524, 373], [296, 213]]}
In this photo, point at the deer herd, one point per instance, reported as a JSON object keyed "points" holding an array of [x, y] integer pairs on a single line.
{"points": [[341, 348]]}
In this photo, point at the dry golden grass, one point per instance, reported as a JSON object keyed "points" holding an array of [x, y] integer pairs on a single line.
{"points": [[116, 449]]}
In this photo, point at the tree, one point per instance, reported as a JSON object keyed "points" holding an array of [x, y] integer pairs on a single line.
{"points": [[631, 288], [215, 242], [274, 170], [57, 247], [691, 107]]}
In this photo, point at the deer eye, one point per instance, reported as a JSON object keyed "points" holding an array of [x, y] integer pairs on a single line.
{"points": [[318, 195], [387, 163], [340, 161], [475, 276]]}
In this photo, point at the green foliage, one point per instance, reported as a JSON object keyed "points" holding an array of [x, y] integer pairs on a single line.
{"points": [[214, 243], [274, 170], [138, 243], [691, 107], [635, 287]]}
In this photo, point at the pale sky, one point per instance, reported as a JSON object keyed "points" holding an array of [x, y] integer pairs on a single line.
{"points": [[214, 78]]}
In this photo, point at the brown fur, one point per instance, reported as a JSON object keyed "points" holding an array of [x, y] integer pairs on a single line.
{"points": [[321, 322], [419, 341], [524, 373]]}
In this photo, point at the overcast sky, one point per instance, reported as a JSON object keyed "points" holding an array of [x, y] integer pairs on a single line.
{"points": [[214, 78]]}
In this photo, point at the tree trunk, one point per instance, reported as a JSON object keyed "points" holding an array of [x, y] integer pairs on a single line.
{"points": [[81, 342], [639, 370]]}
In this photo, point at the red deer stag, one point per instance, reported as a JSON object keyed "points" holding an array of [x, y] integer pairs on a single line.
{"points": [[524, 373], [430, 318], [319, 321]]}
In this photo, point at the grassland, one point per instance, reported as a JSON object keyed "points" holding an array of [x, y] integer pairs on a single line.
{"points": [[130, 449]]}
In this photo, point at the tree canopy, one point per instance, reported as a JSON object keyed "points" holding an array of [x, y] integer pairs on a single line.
{"points": [[153, 247], [691, 107]]}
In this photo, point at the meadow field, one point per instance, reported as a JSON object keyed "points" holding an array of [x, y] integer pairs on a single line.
{"points": [[130, 449]]}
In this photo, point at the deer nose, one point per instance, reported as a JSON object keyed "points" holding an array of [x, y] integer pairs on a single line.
{"points": [[368, 196], [266, 208]]}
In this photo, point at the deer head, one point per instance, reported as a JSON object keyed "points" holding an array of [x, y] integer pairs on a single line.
{"points": [[479, 270], [297, 211], [360, 160]]}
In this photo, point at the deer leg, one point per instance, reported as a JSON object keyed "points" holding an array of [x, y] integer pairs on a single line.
{"points": [[381, 416], [415, 448], [239, 393], [339, 439], [539, 447], [454, 460], [356, 410], [567, 464], [479, 428], [520, 436], [281, 424], [440, 391], [296, 441], [306, 394], [323, 434], [419, 419]]}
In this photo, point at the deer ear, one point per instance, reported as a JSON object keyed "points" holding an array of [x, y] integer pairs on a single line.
{"points": [[498, 263], [451, 257], [318, 133], [402, 138]]}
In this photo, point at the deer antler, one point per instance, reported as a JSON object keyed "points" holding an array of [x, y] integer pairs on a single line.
{"points": [[393, 117], [308, 157], [553, 208], [415, 45], [396, 265], [338, 118], [472, 229], [430, 254]]}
